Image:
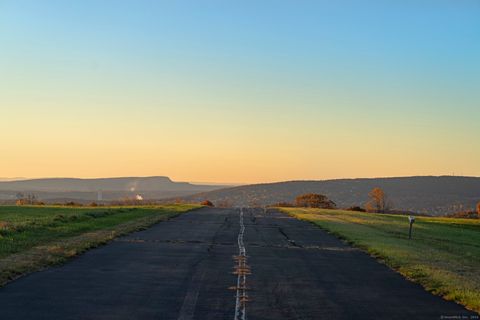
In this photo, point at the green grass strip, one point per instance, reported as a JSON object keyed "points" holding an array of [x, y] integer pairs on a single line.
{"points": [[33, 238], [443, 256]]}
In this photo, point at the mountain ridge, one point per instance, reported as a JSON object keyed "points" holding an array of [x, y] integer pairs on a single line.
{"points": [[152, 187], [437, 195]]}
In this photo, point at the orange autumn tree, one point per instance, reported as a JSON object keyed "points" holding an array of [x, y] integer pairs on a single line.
{"points": [[378, 201]]}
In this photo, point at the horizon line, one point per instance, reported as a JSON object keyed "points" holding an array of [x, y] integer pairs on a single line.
{"points": [[13, 179]]}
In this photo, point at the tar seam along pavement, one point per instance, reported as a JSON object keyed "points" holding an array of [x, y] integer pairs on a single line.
{"points": [[184, 268]]}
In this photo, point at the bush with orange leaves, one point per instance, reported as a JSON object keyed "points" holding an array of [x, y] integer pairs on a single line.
{"points": [[207, 203], [313, 200]]}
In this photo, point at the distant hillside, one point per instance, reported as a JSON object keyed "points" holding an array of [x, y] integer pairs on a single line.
{"points": [[59, 189], [431, 195]]}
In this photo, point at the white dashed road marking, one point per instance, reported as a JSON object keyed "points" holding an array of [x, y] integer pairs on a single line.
{"points": [[242, 270]]}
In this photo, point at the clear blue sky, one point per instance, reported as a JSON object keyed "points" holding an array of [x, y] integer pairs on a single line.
{"points": [[311, 89]]}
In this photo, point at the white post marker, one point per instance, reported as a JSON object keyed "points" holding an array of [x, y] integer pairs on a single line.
{"points": [[411, 220]]}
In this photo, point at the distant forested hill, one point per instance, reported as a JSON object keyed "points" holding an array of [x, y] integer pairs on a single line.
{"points": [[431, 195], [59, 189]]}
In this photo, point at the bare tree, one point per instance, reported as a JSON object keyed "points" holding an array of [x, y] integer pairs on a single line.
{"points": [[378, 201], [27, 199]]}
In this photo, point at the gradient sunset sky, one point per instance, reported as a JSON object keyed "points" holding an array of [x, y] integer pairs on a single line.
{"points": [[239, 91]]}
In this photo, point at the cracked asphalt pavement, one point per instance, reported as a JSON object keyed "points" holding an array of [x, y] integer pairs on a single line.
{"points": [[184, 269]]}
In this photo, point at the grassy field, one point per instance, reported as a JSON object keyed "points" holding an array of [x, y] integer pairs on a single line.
{"points": [[443, 256], [33, 237]]}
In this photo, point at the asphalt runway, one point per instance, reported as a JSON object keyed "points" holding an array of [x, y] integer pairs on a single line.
{"points": [[192, 267]]}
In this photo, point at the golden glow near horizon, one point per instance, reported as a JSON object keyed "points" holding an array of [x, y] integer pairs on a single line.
{"points": [[207, 149], [199, 97]]}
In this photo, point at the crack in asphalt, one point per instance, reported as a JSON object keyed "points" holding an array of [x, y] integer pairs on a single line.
{"points": [[292, 242], [187, 310], [291, 245]]}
